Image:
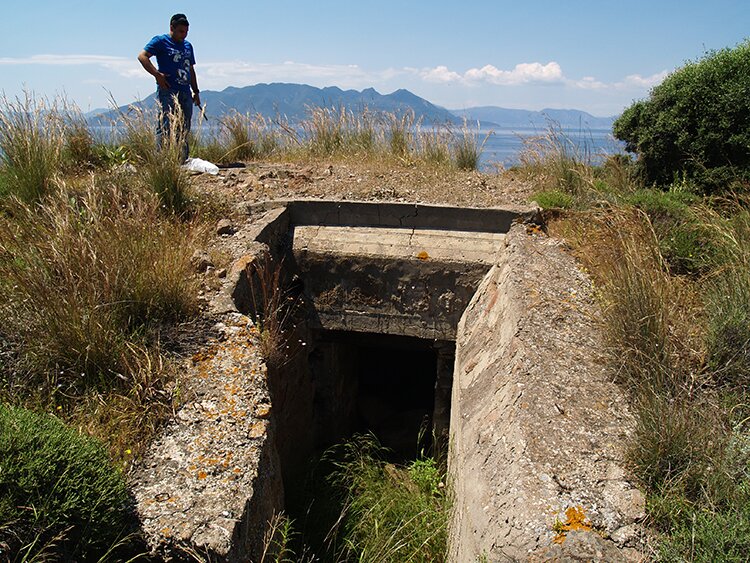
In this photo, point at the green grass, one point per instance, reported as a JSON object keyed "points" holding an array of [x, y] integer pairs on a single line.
{"points": [[554, 199], [60, 496], [356, 506]]}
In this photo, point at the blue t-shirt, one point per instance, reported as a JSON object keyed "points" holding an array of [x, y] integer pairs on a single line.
{"points": [[173, 59]]}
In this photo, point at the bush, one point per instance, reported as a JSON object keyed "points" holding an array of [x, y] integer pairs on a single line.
{"points": [[58, 490], [554, 199], [695, 124]]}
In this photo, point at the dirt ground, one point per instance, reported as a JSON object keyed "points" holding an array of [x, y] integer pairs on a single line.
{"points": [[369, 181]]}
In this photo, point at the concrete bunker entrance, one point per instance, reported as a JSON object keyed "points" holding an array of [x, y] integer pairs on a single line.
{"points": [[395, 387], [383, 287]]}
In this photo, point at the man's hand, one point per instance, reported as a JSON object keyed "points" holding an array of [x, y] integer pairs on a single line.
{"points": [[197, 99], [161, 80]]}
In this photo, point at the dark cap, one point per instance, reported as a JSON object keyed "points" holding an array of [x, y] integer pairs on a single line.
{"points": [[179, 19]]}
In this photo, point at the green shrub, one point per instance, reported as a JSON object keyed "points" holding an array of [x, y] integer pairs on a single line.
{"points": [[695, 124], [554, 199], [59, 492]]}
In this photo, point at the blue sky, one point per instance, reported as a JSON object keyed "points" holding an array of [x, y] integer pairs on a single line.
{"points": [[598, 56]]}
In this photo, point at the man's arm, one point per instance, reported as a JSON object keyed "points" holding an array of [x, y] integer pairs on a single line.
{"points": [[144, 57], [194, 86]]}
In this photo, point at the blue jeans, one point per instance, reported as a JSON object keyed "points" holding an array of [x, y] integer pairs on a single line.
{"points": [[167, 100]]}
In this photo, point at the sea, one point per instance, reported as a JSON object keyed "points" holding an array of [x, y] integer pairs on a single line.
{"points": [[506, 147]]}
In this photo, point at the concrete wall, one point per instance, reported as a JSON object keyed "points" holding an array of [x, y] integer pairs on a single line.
{"points": [[537, 427]]}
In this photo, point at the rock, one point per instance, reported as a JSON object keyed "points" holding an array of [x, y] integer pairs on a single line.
{"points": [[221, 273], [579, 546], [224, 227], [627, 536], [242, 264], [201, 261]]}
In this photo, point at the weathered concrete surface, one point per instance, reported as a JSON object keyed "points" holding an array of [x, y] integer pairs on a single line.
{"points": [[208, 485], [399, 215], [401, 244], [537, 426], [391, 281]]}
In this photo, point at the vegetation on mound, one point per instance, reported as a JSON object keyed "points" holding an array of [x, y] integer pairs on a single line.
{"points": [[60, 496], [695, 125], [672, 269]]}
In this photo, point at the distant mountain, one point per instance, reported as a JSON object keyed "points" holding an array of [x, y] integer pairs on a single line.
{"points": [[525, 119], [293, 101]]}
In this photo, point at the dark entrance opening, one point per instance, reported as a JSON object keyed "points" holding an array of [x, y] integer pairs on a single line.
{"points": [[395, 387]]}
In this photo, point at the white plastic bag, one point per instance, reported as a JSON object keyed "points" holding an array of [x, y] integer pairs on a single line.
{"points": [[200, 165]]}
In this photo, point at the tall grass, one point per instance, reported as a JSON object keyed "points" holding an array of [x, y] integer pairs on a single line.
{"points": [[557, 162], [466, 148], [87, 275], [250, 137], [359, 507], [339, 131], [728, 300], [159, 165], [400, 133], [32, 139]]}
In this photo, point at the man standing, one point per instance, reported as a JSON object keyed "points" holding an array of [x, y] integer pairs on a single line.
{"points": [[175, 76]]}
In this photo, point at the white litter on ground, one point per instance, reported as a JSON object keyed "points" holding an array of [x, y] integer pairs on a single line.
{"points": [[200, 165]]}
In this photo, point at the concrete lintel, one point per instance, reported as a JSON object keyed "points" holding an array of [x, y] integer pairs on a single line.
{"points": [[405, 215]]}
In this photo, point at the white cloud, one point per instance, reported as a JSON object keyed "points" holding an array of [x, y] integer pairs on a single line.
{"points": [[638, 81], [440, 74], [129, 68], [523, 73], [589, 83]]}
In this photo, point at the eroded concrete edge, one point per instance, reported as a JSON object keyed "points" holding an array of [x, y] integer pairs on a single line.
{"points": [[210, 482], [537, 426]]}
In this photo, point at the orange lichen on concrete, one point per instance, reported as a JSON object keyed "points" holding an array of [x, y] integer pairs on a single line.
{"points": [[576, 521]]}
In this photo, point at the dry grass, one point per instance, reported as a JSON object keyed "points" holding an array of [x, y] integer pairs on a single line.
{"points": [[87, 275], [273, 309], [159, 165], [249, 137], [32, 139]]}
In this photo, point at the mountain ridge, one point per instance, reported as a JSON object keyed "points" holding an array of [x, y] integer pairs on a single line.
{"points": [[294, 100]]}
